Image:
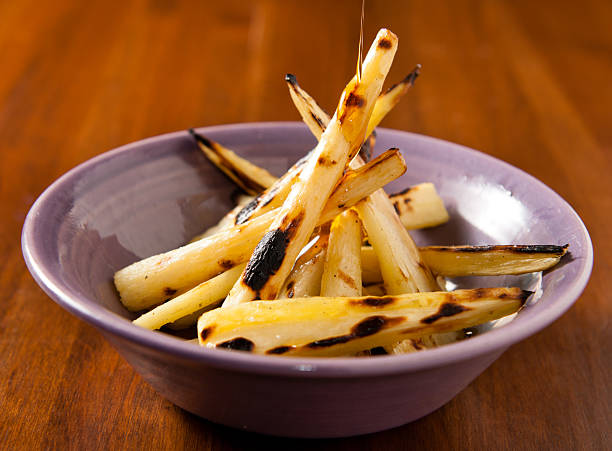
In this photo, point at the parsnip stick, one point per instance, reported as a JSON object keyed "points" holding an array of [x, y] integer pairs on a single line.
{"points": [[305, 278], [342, 271], [420, 206], [206, 294], [154, 279], [454, 261], [275, 255], [401, 266], [339, 326], [387, 101], [251, 178]]}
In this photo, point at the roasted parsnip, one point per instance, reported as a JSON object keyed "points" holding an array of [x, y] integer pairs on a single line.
{"points": [[387, 101], [205, 295], [341, 326], [251, 178], [454, 261], [342, 272], [401, 266], [420, 206], [305, 278]]}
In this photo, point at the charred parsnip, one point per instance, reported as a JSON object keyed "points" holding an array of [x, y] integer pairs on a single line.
{"points": [[251, 178], [276, 253], [205, 295], [387, 101], [455, 261], [342, 272], [419, 206], [452, 261], [341, 326], [401, 266], [305, 278], [151, 281]]}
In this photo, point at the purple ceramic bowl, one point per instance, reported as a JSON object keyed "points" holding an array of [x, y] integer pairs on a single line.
{"points": [[156, 194]]}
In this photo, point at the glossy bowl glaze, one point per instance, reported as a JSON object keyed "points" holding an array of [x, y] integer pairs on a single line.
{"points": [[156, 194]]}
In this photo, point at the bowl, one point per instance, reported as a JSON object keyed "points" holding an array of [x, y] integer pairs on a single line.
{"points": [[154, 195]]}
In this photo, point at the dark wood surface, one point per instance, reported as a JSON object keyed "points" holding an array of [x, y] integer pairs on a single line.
{"points": [[527, 82]]}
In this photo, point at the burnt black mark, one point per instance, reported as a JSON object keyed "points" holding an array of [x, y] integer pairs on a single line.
{"points": [[446, 309], [379, 350], [318, 120], [524, 295], [169, 291], [266, 259], [205, 333], [290, 78], [402, 192], [245, 213], [408, 80], [238, 344], [515, 249], [374, 301], [354, 100], [290, 287], [279, 350], [226, 264], [201, 139], [324, 161], [326, 342], [368, 326], [384, 44]]}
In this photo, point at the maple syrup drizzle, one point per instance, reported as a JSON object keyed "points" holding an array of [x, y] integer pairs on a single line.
{"points": [[360, 55]]}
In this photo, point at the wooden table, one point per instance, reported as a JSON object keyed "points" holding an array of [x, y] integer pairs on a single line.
{"points": [[527, 82]]}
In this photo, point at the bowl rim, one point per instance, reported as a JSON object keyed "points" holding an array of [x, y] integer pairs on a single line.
{"points": [[338, 367]]}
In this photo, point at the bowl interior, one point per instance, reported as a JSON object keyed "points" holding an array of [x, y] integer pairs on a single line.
{"points": [[156, 194]]}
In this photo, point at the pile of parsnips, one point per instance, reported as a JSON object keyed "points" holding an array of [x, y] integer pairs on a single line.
{"points": [[287, 272]]}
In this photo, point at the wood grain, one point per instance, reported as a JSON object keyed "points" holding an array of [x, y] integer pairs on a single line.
{"points": [[528, 82]]}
